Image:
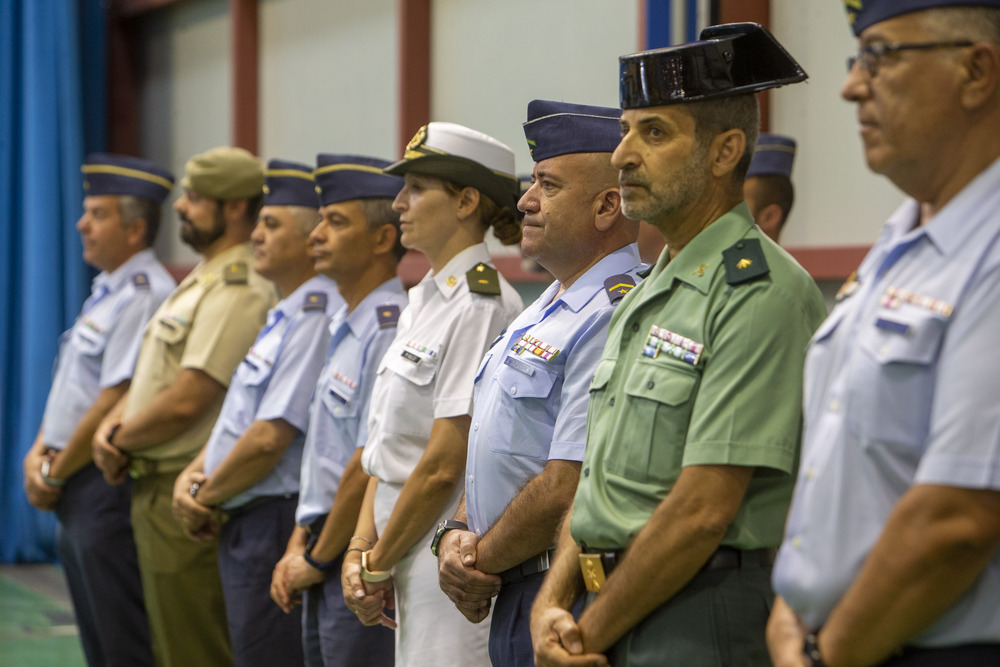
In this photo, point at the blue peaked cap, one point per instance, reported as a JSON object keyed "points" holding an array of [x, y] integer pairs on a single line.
{"points": [[108, 174], [289, 184], [558, 128], [346, 177]]}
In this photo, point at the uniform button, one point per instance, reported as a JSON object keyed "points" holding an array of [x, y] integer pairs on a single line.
{"points": [[834, 405], [513, 389], [635, 327], [475, 427], [884, 350], [586, 472], [796, 542], [650, 384], [810, 473], [612, 401]]}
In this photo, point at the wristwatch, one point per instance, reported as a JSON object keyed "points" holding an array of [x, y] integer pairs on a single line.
{"points": [[810, 649], [51, 481], [369, 575], [443, 528]]}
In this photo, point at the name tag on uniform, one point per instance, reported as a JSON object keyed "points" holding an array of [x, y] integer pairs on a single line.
{"points": [[338, 396], [885, 324], [519, 365], [410, 356]]}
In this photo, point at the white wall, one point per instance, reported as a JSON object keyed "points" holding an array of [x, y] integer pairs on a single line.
{"points": [[328, 84], [838, 201], [489, 59]]}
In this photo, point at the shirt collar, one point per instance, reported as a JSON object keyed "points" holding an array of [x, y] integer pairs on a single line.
{"points": [[361, 318], [241, 252], [698, 261], [292, 303], [117, 278], [961, 218], [452, 276], [591, 282]]}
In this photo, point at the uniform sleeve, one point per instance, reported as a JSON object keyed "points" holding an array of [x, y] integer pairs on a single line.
{"points": [[376, 349], [296, 370], [570, 432], [225, 326], [748, 409], [473, 329], [122, 349], [963, 447]]}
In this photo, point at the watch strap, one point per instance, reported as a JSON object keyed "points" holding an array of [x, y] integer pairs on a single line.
{"points": [[810, 649], [444, 527], [51, 481], [323, 566], [369, 575]]}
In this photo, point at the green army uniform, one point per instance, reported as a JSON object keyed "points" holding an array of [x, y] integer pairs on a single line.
{"points": [[698, 371], [208, 323]]}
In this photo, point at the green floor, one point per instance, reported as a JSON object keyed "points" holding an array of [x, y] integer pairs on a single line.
{"points": [[36, 619]]}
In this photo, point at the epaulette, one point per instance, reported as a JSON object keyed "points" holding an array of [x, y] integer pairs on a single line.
{"points": [[388, 315], [618, 286], [314, 301], [744, 261], [483, 279], [140, 281], [235, 274], [644, 273]]}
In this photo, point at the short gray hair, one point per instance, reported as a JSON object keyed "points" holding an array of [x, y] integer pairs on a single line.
{"points": [[132, 208], [713, 117]]}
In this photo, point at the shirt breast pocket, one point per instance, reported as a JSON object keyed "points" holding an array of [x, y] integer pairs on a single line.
{"points": [[410, 395], [529, 416], [253, 372], [339, 402], [88, 341], [659, 398], [893, 386]]}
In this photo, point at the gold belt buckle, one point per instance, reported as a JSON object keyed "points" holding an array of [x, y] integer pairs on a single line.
{"points": [[593, 571]]}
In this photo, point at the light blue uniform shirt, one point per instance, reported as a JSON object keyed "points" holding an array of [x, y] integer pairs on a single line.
{"points": [[100, 349], [532, 388], [902, 387], [338, 423], [275, 381]]}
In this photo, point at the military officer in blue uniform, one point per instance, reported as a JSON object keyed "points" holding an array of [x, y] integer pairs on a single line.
{"points": [[694, 416], [356, 244], [530, 412], [890, 551], [121, 215], [249, 469]]}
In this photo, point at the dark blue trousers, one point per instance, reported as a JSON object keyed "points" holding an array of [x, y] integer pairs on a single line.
{"points": [[250, 544], [510, 629], [97, 550], [333, 636]]}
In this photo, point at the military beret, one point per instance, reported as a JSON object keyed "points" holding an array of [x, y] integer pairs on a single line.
{"points": [[773, 156], [346, 177], [730, 59], [558, 128], [289, 184], [864, 13], [465, 157], [106, 174], [224, 173]]}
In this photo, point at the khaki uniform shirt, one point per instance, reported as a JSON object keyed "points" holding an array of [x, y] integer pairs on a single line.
{"points": [[699, 372], [208, 323]]}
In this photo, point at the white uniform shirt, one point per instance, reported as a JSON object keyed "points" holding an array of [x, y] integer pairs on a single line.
{"points": [[429, 370]]}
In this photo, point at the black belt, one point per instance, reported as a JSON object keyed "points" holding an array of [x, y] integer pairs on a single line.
{"points": [[724, 558], [535, 565], [258, 502]]}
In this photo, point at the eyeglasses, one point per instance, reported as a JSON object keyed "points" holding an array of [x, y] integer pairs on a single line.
{"points": [[870, 56]]}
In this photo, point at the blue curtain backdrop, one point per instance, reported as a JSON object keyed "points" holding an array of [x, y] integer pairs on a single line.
{"points": [[52, 111]]}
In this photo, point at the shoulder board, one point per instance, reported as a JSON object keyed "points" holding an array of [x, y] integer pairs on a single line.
{"points": [[314, 301], [744, 261], [618, 286], [388, 315], [235, 274], [141, 281], [483, 279], [644, 272]]}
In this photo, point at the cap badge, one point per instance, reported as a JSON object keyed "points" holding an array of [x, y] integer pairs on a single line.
{"points": [[418, 138]]}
